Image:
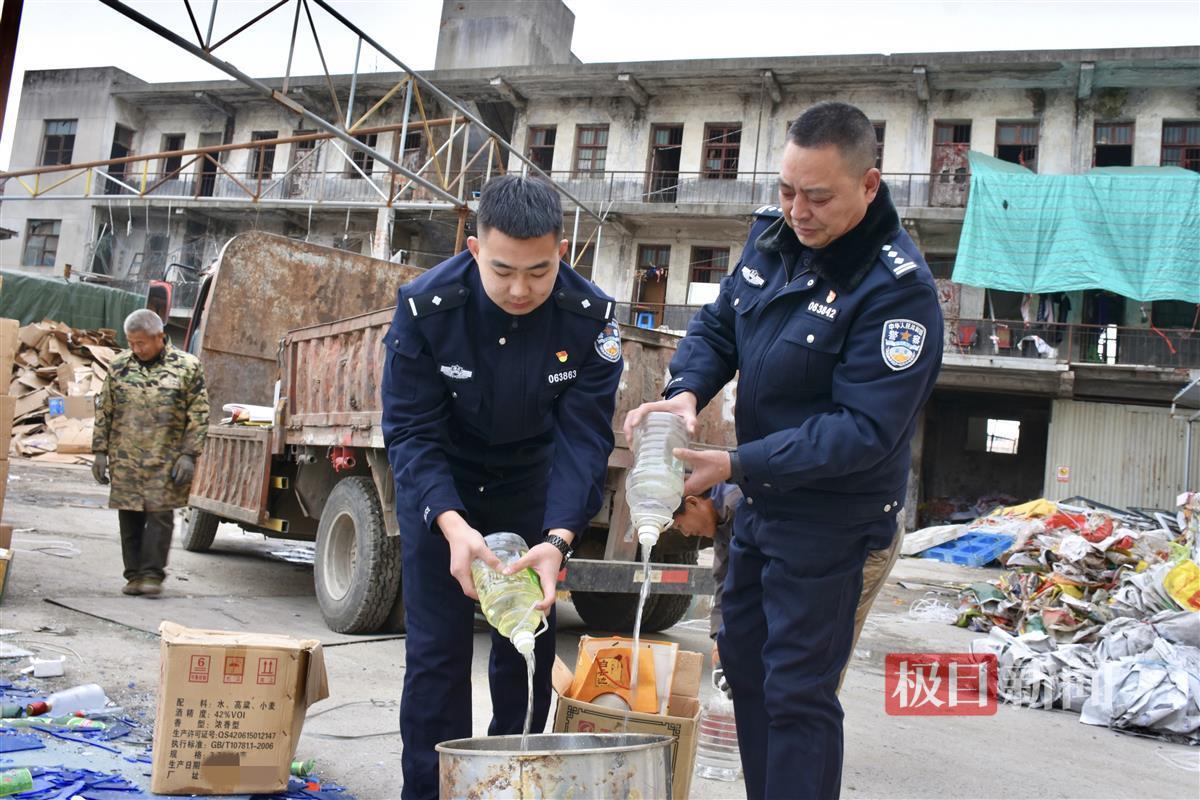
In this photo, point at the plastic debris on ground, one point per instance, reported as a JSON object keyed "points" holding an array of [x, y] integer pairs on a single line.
{"points": [[1097, 612]]}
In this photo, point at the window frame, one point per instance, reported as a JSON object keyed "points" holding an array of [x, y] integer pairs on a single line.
{"points": [[261, 156], [171, 163], [535, 150], [65, 150], [1183, 146], [363, 160], [725, 172], [1125, 125], [591, 150], [880, 132], [709, 257], [1020, 126], [43, 249]]}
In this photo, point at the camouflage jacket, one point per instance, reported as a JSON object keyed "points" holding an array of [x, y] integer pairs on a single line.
{"points": [[146, 417]]}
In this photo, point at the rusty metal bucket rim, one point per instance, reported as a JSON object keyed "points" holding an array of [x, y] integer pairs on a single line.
{"points": [[630, 743]]}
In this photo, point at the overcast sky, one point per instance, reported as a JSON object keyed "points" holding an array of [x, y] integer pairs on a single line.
{"points": [[81, 33]]}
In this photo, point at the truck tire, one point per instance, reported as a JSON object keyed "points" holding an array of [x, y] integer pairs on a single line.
{"points": [[617, 611], [356, 571], [199, 530]]}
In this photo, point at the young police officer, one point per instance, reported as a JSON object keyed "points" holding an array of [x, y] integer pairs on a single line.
{"points": [[832, 321], [498, 396]]}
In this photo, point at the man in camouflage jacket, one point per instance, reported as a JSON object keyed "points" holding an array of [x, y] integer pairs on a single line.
{"points": [[151, 419]]}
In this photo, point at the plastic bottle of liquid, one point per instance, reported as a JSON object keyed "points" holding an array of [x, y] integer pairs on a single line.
{"points": [[654, 487], [506, 599], [86, 697], [717, 755]]}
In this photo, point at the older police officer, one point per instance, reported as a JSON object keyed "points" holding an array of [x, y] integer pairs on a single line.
{"points": [[832, 321], [498, 395]]}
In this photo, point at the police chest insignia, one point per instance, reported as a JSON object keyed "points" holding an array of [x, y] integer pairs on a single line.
{"points": [[750, 275], [608, 343], [901, 343], [456, 372], [561, 355], [823, 311], [829, 298]]}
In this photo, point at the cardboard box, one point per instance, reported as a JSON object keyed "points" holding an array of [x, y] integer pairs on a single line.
{"points": [[5, 568], [3, 484], [230, 709], [5, 536], [74, 435], [80, 407], [681, 720], [8, 406], [9, 344]]}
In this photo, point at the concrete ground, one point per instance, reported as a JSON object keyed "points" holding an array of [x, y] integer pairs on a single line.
{"points": [[1016, 753]]}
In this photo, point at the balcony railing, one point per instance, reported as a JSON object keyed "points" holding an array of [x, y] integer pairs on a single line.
{"points": [[751, 188], [1057, 342]]}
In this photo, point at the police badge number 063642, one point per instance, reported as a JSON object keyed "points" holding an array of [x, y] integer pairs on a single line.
{"points": [[608, 343], [901, 343]]}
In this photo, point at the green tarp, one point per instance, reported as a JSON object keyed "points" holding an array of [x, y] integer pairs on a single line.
{"points": [[81, 305], [1134, 231]]}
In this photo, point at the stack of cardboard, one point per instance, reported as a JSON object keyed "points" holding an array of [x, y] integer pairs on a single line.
{"points": [[56, 373], [9, 329]]}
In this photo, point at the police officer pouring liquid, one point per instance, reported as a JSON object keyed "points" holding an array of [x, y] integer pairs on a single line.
{"points": [[498, 395], [832, 322]]}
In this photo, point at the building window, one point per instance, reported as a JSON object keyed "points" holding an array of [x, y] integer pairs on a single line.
{"points": [[879, 126], [721, 145], [1175, 314], [262, 159], [585, 257], [1113, 144], [591, 149], [709, 264], [993, 435], [58, 142], [942, 266], [1181, 145], [171, 142], [361, 159], [1017, 142], [41, 242], [541, 147]]}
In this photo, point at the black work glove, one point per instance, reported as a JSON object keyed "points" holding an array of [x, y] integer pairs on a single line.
{"points": [[100, 468], [184, 469]]}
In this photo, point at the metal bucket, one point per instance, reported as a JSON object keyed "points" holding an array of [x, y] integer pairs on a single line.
{"points": [[557, 765]]}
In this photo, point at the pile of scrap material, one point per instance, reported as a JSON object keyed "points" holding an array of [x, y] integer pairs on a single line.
{"points": [[57, 372], [1097, 612]]}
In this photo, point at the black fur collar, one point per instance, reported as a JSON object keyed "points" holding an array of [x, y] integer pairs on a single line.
{"points": [[845, 261]]}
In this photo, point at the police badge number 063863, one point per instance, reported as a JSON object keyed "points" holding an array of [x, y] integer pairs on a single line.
{"points": [[608, 343], [901, 343]]}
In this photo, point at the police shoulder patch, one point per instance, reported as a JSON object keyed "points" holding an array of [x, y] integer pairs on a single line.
{"points": [[901, 343], [443, 298], [768, 211], [608, 342], [589, 305], [897, 261]]}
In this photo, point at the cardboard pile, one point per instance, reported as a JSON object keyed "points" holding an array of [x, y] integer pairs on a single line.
{"points": [[9, 329], [230, 709], [595, 697], [56, 373]]}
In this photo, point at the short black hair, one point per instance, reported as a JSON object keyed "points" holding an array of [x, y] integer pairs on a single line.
{"points": [[523, 208], [841, 125]]}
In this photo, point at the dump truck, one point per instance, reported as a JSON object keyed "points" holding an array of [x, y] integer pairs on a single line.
{"points": [[298, 328]]}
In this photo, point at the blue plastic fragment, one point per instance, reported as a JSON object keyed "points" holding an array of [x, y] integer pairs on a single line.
{"points": [[972, 549], [13, 742]]}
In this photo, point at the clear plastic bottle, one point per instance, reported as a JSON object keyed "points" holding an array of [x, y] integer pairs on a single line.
{"points": [[654, 487], [717, 754], [86, 698], [506, 599]]}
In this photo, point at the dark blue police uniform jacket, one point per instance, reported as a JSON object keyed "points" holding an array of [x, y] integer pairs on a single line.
{"points": [[837, 351], [479, 396]]}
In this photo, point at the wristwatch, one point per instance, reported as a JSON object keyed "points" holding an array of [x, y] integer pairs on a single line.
{"points": [[562, 546]]}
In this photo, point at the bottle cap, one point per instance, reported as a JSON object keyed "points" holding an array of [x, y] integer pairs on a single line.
{"points": [[523, 641], [648, 535], [37, 708]]}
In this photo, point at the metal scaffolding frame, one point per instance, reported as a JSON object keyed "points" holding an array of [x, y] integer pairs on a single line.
{"points": [[412, 83]]}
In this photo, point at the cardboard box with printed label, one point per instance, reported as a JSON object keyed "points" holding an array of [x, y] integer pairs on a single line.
{"points": [[680, 720], [230, 709]]}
